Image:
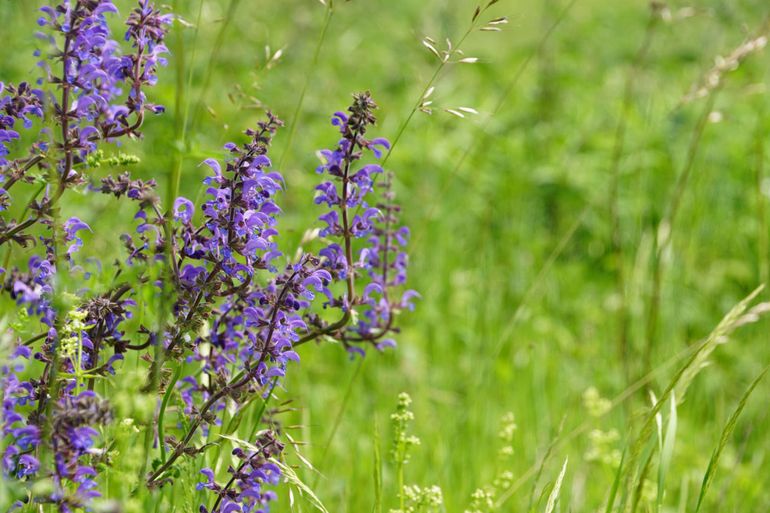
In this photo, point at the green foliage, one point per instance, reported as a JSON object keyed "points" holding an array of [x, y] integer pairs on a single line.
{"points": [[513, 247]]}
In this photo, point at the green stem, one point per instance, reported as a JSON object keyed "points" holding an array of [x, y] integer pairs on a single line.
{"points": [[480, 138], [618, 150], [182, 105], [308, 75], [162, 412]]}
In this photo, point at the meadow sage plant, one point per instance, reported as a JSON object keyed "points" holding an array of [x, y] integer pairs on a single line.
{"points": [[238, 309]]}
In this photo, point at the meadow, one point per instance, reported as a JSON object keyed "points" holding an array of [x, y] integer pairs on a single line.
{"points": [[590, 232]]}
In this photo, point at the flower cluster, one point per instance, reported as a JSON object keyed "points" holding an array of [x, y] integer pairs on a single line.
{"points": [[18, 459], [484, 499], [16, 104], [72, 438], [95, 70], [365, 248], [244, 491], [412, 498], [237, 308], [217, 263], [95, 92]]}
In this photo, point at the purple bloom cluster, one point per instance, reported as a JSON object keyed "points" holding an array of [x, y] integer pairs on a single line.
{"points": [[73, 436], [385, 261], [17, 104], [96, 93], [219, 252], [218, 260], [240, 309], [32, 289], [369, 231], [244, 491], [95, 71], [18, 457]]}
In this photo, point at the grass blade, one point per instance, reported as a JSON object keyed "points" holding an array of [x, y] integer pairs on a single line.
{"points": [[543, 461], [684, 376], [377, 469], [666, 451], [726, 433], [554, 496], [161, 414], [615, 485], [309, 73]]}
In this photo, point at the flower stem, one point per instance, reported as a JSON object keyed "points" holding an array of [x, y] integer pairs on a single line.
{"points": [[162, 412]]}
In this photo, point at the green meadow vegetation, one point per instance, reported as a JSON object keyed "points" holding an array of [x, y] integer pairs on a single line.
{"points": [[588, 197]]}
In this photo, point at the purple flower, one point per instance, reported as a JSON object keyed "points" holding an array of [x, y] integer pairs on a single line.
{"points": [[183, 210], [27, 465], [71, 227], [239, 307]]}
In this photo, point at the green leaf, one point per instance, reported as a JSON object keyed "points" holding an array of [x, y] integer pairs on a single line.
{"points": [[615, 484]]}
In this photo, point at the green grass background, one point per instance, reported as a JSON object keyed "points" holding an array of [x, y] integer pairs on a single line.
{"points": [[511, 250]]}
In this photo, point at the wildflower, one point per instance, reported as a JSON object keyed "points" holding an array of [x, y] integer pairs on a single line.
{"points": [[402, 440], [91, 108], [381, 263], [240, 308], [71, 227], [602, 448]]}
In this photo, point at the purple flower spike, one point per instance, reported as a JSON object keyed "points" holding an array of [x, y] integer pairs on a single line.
{"points": [[381, 260]]}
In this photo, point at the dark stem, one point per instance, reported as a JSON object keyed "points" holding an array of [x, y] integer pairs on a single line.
{"points": [[228, 486], [18, 175]]}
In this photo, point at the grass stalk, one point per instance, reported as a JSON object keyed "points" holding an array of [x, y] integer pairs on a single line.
{"points": [[377, 471], [763, 251], [309, 73], [541, 466], [690, 355], [481, 138], [615, 485], [727, 431], [161, 414], [664, 232], [618, 150]]}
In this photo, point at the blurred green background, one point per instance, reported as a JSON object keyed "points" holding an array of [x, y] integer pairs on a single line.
{"points": [[512, 247]]}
